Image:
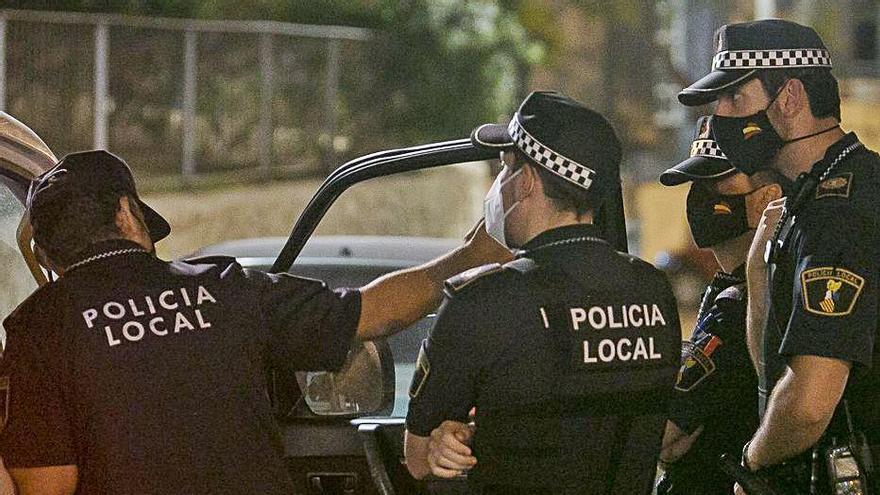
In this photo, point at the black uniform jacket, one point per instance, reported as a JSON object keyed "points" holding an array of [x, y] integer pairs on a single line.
{"points": [[716, 389], [824, 284], [557, 350], [149, 375]]}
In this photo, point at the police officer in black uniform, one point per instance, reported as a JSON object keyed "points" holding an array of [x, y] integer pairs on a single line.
{"points": [[715, 408], [568, 353], [130, 374], [778, 106]]}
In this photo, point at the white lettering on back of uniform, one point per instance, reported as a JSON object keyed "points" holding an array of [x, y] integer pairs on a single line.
{"points": [[180, 322], [203, 296], [90, 315], [162, 300]]}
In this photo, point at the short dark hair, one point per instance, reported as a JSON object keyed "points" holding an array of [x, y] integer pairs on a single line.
{"points": [[64, 229], [563, 194], [822, 89]]}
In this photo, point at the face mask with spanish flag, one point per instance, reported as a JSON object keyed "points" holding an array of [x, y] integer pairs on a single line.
{"points": [[750, 143], [715, 217]]}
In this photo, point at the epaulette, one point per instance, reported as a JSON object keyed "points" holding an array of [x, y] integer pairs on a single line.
{"points": [[210, 260], [837, 186], [467, 278]]}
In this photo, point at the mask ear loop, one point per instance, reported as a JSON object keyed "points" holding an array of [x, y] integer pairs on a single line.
{"points": [[504, 183], [794, 140]]}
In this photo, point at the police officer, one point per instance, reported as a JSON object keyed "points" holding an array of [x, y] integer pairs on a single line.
{"points": [[130, 374], [569, 352], [778, 106], [714, 409]]}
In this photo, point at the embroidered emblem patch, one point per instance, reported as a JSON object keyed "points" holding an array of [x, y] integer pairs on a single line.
{"points": [[697, 363], [835, 186], [420, 376], [830, 291], [4, 401]]}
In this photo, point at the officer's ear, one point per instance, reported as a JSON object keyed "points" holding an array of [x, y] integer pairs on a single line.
{"points": [[527, 182], [131, 224], [793, 99]]}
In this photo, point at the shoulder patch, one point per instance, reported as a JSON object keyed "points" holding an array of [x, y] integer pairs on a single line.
{"points": [[830, 291], [696, 362], [464, 279], [839, 186]]}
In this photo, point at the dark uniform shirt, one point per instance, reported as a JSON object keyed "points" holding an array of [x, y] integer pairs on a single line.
{"points": [[824, 283], [715, 390], [149, 375], [558, 351]]}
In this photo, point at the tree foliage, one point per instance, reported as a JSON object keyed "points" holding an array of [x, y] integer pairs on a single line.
{"points": [[441, 66]]}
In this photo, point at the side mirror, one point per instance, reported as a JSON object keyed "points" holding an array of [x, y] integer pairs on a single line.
{"points": [[364, 385]]}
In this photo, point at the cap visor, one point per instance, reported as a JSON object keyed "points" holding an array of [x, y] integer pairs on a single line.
{"points": [[706, 90], [491, 136], [156, 223], [696, 168]]}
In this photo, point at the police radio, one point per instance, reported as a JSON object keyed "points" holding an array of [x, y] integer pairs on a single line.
{"points": [[844, 474], [848, 464]]}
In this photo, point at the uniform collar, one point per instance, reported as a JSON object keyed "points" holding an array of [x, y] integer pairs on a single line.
{"points": [[562, 233], [105, 249], [833, 152], [724, 280]]}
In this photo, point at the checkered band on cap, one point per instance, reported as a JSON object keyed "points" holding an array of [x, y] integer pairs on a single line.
{"points": [[707, 148], [566, 168], [769, 59]]}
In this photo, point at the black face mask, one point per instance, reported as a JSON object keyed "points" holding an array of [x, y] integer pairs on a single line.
{"points": [[751, 142], [714, 217]]}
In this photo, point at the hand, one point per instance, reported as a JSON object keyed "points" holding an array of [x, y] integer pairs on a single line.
{"points": [[448, 452], [738, 490], [484, 248], [765, 230]]}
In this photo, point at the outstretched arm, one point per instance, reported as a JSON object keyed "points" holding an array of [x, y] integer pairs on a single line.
{"points": [[393, 302]]}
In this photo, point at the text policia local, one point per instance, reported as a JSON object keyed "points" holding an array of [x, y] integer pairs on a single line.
{"points": [[604, 347], [169, 311]]}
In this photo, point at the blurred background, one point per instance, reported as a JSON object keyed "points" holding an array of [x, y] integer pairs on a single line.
{"points": [[231, 112]]}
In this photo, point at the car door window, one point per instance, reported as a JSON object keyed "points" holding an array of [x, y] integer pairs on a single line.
{"points": [[15, 278]]}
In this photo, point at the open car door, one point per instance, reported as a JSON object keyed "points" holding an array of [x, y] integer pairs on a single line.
{"points": [[362, 452], [23, 156]]}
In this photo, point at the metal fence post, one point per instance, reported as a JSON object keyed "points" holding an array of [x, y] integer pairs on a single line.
{"points": [[266, 72], [331, 93], [188, 166], [2, 63], [102, 47]]}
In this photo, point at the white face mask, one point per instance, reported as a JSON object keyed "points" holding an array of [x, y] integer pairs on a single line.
{"points": [[493, 209]]}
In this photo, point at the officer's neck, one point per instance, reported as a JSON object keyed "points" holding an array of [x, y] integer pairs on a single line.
{"points": [[800, 156], [542, 220], [732, 253]]}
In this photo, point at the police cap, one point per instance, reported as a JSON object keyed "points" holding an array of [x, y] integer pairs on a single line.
{"points": [[706, 161], [563, 136], [96, 172], [742, 49]]}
